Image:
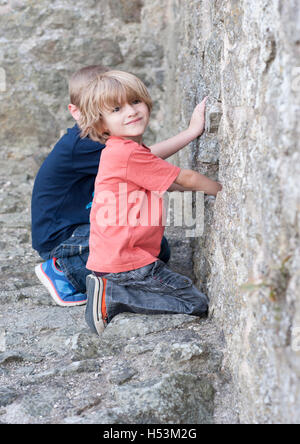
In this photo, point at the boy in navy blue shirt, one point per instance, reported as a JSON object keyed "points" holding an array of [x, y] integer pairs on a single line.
{"points": [[62, 196]]}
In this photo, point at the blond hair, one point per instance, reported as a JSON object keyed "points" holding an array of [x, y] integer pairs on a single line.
{"points": [[105, 92], [80, 79]]}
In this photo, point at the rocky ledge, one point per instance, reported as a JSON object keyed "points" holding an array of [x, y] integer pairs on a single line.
{"points": [[144, 369]]}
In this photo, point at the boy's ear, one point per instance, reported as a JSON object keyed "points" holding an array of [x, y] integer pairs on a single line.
{"points": [[76, 114]]}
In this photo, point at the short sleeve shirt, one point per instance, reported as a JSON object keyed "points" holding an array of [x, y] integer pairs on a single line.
{"points": [[127, 210]]}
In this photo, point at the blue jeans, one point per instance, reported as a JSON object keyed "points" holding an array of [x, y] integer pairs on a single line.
{"points": [[152, 289], [73, 255]]}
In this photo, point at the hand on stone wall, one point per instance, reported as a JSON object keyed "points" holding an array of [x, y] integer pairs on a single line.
{"points": [[197, 123]]}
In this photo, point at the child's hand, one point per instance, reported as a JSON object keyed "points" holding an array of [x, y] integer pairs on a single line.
{"points": [[197, 123]]}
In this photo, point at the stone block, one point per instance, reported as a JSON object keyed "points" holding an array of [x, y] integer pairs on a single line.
{"points": [[214, 115]]}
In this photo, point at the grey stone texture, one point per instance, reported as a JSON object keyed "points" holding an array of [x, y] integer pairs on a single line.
{"points": [[245, 56], [241, 365]]}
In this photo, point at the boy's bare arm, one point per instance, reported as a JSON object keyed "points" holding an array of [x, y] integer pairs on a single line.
{"points": [[190, 180], [176, 187], [170, 146]]}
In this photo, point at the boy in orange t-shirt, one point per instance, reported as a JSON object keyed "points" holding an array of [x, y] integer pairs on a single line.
{"points": [[127, 216]]}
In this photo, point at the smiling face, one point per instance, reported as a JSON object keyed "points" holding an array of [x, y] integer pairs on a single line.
{"points": [[117, 104], [129, 120]]}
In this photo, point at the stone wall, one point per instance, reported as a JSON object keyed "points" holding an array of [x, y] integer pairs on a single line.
{"points": [[42, 43], [244, 55]]}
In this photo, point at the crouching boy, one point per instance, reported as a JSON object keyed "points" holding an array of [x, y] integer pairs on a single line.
{"points": [[126, 222], [62, 196]]}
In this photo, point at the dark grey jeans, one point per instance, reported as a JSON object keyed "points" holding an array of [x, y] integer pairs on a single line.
{"points": [[152, 289], [73, 255]]}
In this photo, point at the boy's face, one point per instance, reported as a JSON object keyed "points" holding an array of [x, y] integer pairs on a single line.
{"points": [[128, 121]]}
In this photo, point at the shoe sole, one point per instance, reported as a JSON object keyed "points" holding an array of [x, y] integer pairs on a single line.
{"points": [[93, 314], [43, 278]]}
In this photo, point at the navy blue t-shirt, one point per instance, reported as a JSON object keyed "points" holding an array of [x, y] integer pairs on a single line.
{"points": [[63, 190]]}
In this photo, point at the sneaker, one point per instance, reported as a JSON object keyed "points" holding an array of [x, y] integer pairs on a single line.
{"points": [[63, 293], [95, 311]]}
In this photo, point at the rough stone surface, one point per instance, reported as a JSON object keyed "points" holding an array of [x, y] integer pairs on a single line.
{"points": [[242, 363], [143, 369], [43, 43], [245, 55]]}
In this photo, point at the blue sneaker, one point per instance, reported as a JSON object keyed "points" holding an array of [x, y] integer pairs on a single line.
{"points": [[63, 293]]}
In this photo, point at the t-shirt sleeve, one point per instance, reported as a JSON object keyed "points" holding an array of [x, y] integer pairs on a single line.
{"points": [[149, 171]]}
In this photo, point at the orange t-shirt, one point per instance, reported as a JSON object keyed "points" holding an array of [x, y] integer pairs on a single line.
{"points": [[127, 210]]}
